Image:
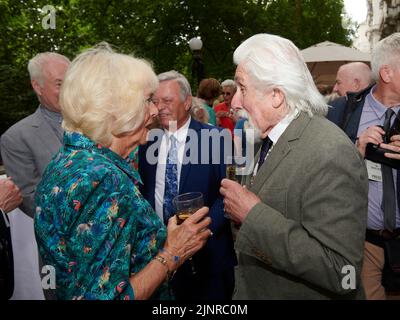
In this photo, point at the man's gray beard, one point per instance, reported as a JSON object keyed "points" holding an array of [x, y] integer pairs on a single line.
{"points": [[242, 113], [250, 126]]}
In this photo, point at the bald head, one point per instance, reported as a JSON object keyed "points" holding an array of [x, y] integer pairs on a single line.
{"points": [[352, 77]]}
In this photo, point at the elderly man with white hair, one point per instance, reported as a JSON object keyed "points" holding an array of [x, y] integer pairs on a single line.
{"points": [[303, 209], [28, 146]]}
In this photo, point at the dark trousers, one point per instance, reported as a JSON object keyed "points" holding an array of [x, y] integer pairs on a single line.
{"points": [[202, 286], [6, 259]]}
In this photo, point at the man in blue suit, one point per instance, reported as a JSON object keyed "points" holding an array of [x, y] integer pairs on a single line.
{"points": [[182, 158]]}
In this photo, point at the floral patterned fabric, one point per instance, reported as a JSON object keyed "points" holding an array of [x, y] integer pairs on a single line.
{"points": [[133, 160], [92, 224]]}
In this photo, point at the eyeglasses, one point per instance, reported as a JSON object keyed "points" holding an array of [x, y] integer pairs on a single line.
{"points": [[163, 101]]}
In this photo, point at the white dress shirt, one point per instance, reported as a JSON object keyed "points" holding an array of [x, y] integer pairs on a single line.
{"points": [[276, 133], [180, 136]]}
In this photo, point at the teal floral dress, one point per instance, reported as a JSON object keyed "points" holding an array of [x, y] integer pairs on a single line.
{"points": [[93, 225]]}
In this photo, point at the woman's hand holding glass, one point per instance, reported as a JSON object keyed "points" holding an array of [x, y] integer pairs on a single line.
{"points": [[184, 240]]}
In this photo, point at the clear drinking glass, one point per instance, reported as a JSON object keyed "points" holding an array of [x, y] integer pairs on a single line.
{"points": [[235, 168], [185, 205]]}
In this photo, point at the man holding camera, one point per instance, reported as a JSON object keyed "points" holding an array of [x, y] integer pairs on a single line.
{"points": [[370, 119]]}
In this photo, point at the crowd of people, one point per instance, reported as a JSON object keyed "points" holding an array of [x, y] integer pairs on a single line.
{"points": [[112, 144]]}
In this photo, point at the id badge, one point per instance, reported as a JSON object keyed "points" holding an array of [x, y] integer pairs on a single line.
{"points": [[374, 170]]}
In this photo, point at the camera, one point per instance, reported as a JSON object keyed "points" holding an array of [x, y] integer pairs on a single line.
{"points": [[375, 153]]}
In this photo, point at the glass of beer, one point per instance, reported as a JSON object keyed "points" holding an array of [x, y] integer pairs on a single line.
{"points": [[235, 170], [235, 166], [186, 204]]}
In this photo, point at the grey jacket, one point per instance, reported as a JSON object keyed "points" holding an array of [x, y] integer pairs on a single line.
{"points": [[26, 149], [309, 229]]}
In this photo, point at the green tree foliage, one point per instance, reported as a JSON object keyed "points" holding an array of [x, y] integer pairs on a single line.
{"points": [[157, 30]]}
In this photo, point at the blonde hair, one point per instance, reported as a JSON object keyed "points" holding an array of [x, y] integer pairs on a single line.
{"points": [[103, 94]]}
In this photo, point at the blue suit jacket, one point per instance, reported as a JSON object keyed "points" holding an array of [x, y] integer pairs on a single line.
{"points": [[218, 254], [346, 112]]}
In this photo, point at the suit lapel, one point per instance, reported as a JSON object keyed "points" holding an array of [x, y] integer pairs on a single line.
{"points": [[278, 153], [280, 150], [184, 174], [151, 172], [185, 170], [354, 122]]}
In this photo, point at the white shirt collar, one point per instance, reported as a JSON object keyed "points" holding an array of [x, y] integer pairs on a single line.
{"points": [[181, 133], [277, 131], [282, 125]]}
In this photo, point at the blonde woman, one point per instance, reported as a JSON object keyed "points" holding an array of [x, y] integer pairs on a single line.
{"points": [[92, 224]]}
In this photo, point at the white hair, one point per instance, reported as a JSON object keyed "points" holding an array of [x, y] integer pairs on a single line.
{"points": [[37, 63], [229, 83], [276, 63], [386, 52], [184, 85]]}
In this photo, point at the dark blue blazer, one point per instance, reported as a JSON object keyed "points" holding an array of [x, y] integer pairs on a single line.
{"points": [[218, 254], [346, 112]]}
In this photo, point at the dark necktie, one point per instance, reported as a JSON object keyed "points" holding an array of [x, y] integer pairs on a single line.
{"points": [[398, 188], [267, 144], [171, 180], [389, 195]]}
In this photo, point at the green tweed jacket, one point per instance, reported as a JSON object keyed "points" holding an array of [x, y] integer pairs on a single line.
{"points": [[305, 239]]}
